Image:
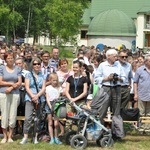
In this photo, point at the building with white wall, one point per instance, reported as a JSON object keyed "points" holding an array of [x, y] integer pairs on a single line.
{"points": [[117, 22]]}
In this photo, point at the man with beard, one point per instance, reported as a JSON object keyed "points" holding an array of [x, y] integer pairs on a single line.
{"points": [[28, 58]]}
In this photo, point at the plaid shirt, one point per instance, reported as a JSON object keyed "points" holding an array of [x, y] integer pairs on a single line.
{"points": [[54, 63], [46, 71]]}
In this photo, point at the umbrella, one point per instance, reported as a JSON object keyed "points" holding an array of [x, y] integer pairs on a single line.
{"points": [[100, 46]]}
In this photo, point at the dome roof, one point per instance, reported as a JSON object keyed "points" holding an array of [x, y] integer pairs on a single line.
{"points": [[113, 23]]}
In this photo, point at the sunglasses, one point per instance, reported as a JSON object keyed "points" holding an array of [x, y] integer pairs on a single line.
{"points": [[124, 56], [36, 64]]}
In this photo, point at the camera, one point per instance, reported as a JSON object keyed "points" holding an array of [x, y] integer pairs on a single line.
{"points": [[115, 78]]}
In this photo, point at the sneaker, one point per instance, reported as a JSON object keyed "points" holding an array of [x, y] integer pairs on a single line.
{"points": [[141, 131], [3, 141], [57, 141], [52, 141], [133, 126], [147, 132], [10, 140], [35, 141], [24, 141]]}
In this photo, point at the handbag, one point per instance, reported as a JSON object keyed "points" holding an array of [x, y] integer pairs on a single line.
{"points": [[130, 114], [117, 126], [22, 96], [22, 91]]}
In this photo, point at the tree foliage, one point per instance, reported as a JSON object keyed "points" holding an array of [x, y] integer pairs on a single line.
{"points": [[57, 19]]}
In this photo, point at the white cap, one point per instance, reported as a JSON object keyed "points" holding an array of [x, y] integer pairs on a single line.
{"points": [[90, 96]]}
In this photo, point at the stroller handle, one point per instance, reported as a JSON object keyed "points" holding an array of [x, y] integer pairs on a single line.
{"points": [[61, 99], [69, 101], [64, 99]]}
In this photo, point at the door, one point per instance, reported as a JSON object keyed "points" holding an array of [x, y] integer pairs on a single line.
{"points": [[148, 40]]}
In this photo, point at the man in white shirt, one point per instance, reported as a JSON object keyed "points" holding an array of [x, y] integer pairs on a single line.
{"points": [[2, 53], [110, 75]]}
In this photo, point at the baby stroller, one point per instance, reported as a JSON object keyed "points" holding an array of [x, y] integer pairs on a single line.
{"points": [[89, 128], [89, 125]]}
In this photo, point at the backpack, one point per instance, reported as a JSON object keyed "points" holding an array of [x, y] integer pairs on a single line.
{"points": [[59, 108], [117, 126], [95, 89], [130, 114]]}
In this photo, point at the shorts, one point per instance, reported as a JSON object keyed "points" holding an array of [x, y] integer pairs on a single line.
{"points": [[47, 109]]}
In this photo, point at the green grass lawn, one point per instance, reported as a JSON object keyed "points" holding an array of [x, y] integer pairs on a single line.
{"points": [[130, 142]]}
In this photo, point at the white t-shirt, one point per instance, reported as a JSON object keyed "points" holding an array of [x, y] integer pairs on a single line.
{"points": [[53, 92], [2, 62], [86, 61], [132, 84]]}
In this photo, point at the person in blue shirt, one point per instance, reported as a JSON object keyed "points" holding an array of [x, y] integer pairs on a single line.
{"points": [[126, 86], [33, 97], [10, 81], [110, 75], [21, 108], [142, 92]]}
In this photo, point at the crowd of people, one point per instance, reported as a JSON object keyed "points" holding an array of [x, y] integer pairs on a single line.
{"points": [[32, 78]]}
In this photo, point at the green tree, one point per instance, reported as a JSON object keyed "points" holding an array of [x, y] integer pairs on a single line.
{"points": [[57, 19], [64, 19], [10, 18]]}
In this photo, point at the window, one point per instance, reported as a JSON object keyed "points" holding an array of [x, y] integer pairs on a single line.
{"points": [[83, 34], [148, 19]]}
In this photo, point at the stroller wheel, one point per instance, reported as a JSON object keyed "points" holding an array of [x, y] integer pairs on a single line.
{"points": [[98, 142], [99, 138], [105, 142], [78, 142], [69, 136]]}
